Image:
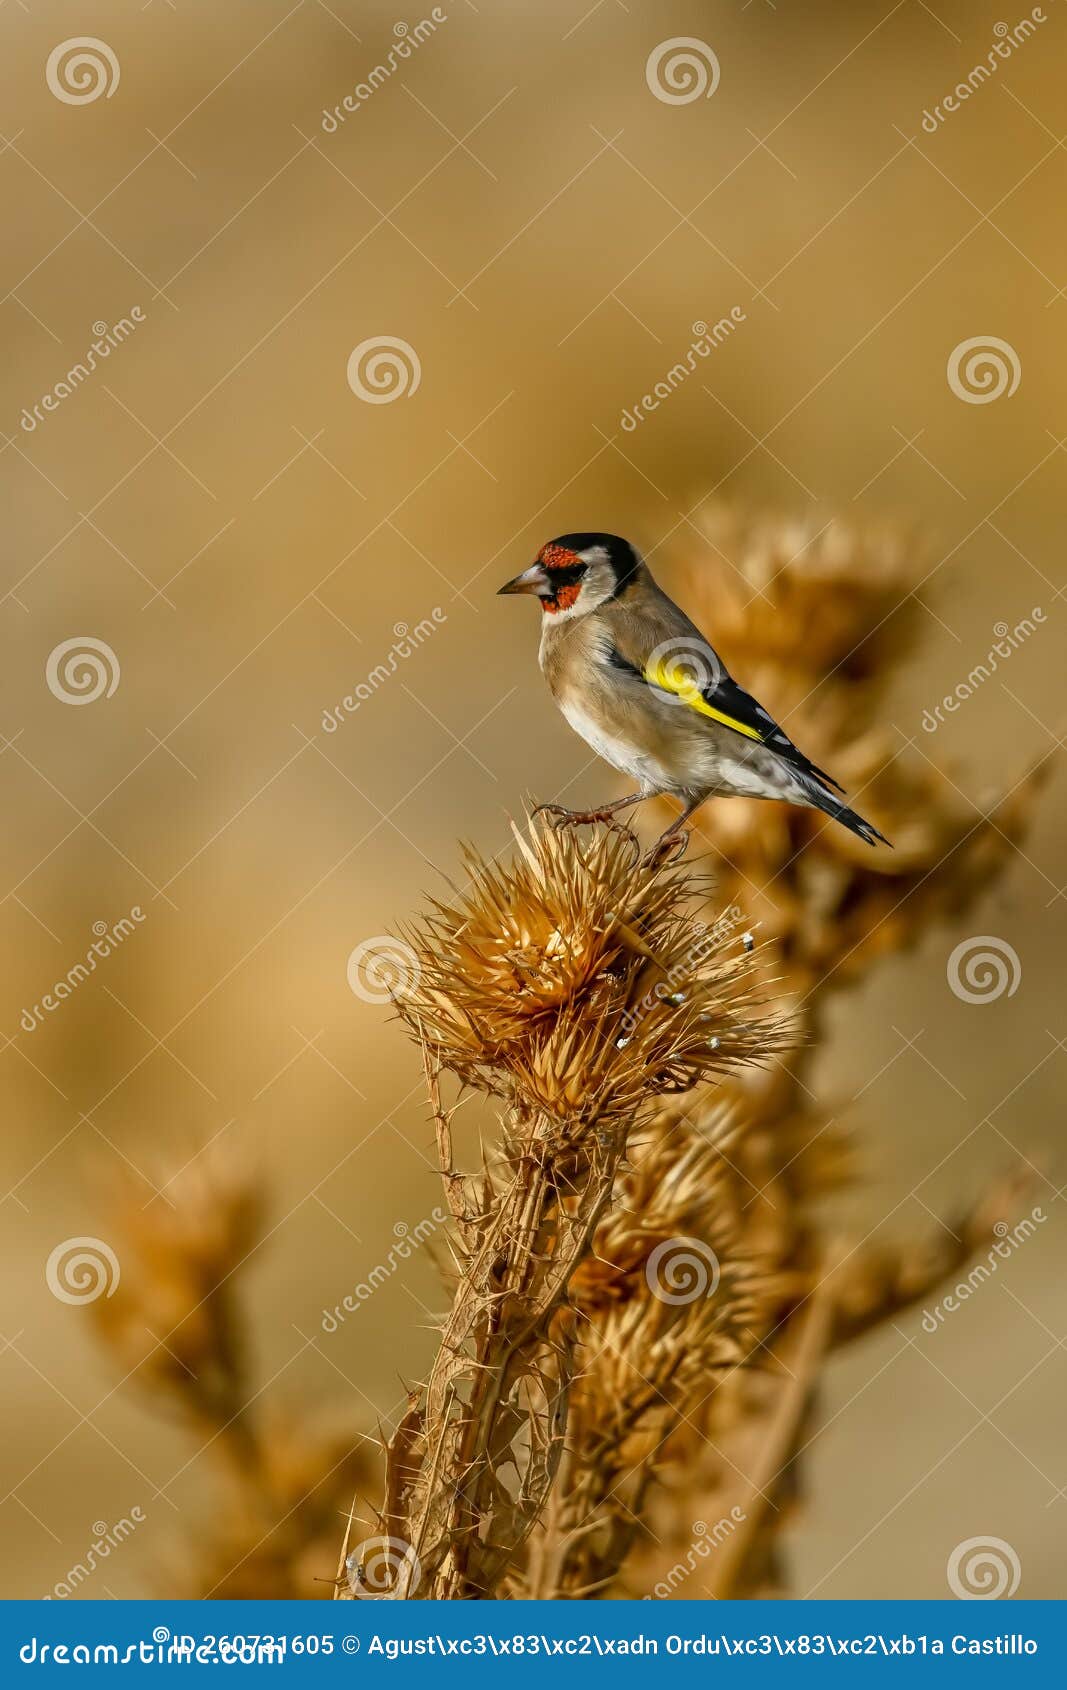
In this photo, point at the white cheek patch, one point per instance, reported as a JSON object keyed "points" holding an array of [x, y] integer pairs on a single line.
{"points": [[598, 586]]}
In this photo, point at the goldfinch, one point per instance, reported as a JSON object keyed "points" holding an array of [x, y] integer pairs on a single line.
{"points": [[640, 684]]}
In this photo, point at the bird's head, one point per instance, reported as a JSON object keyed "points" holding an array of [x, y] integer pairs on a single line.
{"points": [[577, 573]]}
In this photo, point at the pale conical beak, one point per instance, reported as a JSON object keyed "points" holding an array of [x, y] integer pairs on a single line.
{"points": [[530, 581]]}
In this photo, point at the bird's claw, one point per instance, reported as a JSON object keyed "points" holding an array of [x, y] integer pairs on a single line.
{"points": [[552, 810], [670, 847], [586, 818]]}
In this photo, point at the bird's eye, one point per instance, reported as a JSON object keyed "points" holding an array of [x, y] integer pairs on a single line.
{"points": [[566, 575]]}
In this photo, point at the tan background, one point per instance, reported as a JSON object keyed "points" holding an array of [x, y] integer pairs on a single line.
{"points": [[218, 506]]}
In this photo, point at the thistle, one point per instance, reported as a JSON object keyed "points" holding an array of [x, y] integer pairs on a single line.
{"points": [[178, 1328], [669, 1300], [174, 1321], [818, 621], [576, 986]]}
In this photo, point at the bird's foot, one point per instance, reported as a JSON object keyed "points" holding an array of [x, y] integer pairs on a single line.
{"points": [[670, 847], [572, 818], [586, 818]]}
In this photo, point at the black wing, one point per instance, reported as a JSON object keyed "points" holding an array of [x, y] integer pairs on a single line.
{"points": [[735, 704]]}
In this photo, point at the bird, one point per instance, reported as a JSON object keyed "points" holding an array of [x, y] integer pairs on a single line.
{"points": [[637, 680]]}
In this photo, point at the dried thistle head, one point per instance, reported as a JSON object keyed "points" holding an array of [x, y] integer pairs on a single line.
{"points": [[171, 1320], [807, 601], [677, 1188], [671, 1299], [674, 1287], [814, 622], [176, 1325], [579, 979]]}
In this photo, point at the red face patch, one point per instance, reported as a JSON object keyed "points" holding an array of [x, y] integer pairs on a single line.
{"points": [[557, 557], [565, 596]]}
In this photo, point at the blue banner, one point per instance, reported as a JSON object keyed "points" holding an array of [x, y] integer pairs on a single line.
{"points": [[746, 1643]]}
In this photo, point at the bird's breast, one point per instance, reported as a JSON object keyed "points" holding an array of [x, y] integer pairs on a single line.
{"points": [[617, 747]]}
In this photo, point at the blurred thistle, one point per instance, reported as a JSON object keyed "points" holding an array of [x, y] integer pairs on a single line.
{"points": [[816, 621], [174, 1322], [177, 1327], [577, 986]]}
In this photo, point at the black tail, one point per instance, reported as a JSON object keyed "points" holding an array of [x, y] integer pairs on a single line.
{"points": [[826, 801]]}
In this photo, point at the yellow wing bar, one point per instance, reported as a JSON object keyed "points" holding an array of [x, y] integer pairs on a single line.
{"points": [[685, 688]]}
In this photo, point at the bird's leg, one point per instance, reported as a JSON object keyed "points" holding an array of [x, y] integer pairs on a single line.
{"points": [[674, 834]]}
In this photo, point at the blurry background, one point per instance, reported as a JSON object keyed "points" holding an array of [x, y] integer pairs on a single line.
{"points": [[249, 538]]}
